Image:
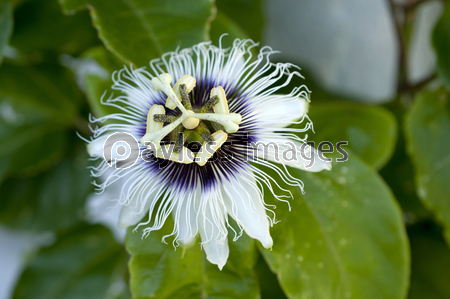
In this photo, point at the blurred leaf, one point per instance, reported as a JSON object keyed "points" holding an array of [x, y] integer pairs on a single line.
{"points": [[48, 89], [84, 262], [26, 149], [427, 129], [6, 25], [41, 26], [159, 271], [51, 201], [430, 263], [38, 105], [399, 175], [371, 131], [344, 238], [140, 30], [441, 44], [222, 24], [246, 14]]}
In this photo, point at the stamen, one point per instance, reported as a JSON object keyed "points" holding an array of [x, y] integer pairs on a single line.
{"points": [[222, 106], [210, 104], [164, 118], [185, 97], [187, 80], [162, 83], [178, 96], [208, 151], [157, 136]]}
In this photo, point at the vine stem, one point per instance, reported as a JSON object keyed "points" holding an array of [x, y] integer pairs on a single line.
{"points": [[402, 63]]}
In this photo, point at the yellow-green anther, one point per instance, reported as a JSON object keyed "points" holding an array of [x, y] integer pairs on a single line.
{"points": [[222, 106], [189, 81], [164, 118], [185, 97], [210, 104], [209, 148]]}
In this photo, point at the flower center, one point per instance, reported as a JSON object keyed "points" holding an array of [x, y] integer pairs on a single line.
{"points": [[211, 122]]}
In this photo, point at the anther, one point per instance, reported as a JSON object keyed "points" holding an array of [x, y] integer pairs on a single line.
{"points": [[164, 118], [187, 80], [210, 104], [185, 97], [222, 106]]}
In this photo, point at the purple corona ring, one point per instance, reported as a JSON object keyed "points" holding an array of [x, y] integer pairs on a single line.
{"points": [[198, 113]]}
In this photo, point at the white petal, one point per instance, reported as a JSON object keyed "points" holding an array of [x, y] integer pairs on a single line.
{"points": [[212, 227], [95, 147], [280, 111], [138, 205], [285, 155], [186, 218], [244, 203], [217, 253]]}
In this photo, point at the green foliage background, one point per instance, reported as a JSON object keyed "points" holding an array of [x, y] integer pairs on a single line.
{"points": [[377, 226]]}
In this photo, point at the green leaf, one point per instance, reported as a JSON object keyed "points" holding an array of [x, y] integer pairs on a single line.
{"points": [[84, 262], [371, 131], [159, 271], [246, 14], [41, 26], [427, 129], [430, 263], [399, 175], [50, 201], [441, 44], [29, 148], [344, 238], [140, 30], [6, 25], [38, 106], [48, 89]]}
